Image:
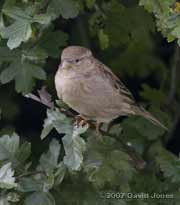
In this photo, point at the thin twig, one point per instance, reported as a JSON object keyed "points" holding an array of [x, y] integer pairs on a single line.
{"points": [[174, 125], [173, 86], [30, 174], [138, 161]]}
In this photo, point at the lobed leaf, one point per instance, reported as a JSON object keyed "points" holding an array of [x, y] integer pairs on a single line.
{"points": [[49, 160], [74, 147], [67, 9], [40, 198], [7, 179]]}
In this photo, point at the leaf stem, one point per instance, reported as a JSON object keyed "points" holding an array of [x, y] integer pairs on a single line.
{"points": [[30, 174]]}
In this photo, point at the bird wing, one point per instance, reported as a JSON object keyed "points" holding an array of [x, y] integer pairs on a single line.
{"points": [[115, 81]]}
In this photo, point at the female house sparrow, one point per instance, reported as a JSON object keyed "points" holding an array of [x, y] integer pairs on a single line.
{"points": [[90, 88]]}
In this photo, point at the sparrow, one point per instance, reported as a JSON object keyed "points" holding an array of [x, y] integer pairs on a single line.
{"points": [[90, 88]]}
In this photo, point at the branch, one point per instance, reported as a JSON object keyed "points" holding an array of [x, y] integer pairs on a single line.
{"points": [[43, 98], [30, 174], [174, 125], [138, 161], [173, 86]]}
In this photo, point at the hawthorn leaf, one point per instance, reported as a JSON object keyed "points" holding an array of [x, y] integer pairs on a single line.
{"points": [[13, 197], [24, 79], [74, 147], [40, 198], [105, 164], [11, 150], [156, 97], [67, 9], [23, 152], [7, 179], [90, 3], [169, 164], [55, 119], [20, 31], [29, 184], [8, 74], [42, 18], [103, 39], [7, 55], [17, 13], [4, 201], [8, 146], [60, 173], [49, 160], [143, 127], [52, 48], [23, 73], [34, 55], [167, 17]]}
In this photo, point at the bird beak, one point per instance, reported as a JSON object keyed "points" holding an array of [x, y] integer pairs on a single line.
{"points": [[60, 66], [64, 65]]}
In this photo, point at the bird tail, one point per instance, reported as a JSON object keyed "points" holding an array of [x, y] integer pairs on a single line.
{"points": [[147, 115]]}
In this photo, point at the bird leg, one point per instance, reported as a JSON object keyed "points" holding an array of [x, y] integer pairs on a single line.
{"points": [[100, 131], [110, 125]]}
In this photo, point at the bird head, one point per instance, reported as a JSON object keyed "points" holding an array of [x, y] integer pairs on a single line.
{"points": [[75, 59]]}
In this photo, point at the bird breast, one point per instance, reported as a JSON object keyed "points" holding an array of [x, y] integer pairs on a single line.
{"points": [[74, 92]]}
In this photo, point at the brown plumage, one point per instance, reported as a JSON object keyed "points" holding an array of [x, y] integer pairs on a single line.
{"points": [[90, 88]]}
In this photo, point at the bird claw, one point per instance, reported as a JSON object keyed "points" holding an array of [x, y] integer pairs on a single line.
{"points": [[80, 121]]}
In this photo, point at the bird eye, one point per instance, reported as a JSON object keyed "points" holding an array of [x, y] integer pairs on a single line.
{"points": [[77, 60]]}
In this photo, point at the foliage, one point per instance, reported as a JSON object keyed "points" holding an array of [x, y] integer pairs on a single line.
{"points": [[167, 15], [71, 164]]}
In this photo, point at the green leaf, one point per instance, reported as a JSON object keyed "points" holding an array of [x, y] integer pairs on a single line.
{"points": [[156, 97], [67, 9], [104, 39], [55, 119], [7, 55], [167, 17], [13, 197], [34, 54], [4, 201], [169, 164], [52, 48], [74, 147], [60, 173], [29, 184], [24, 152], [11, 150], [40, 198], [8, 146], [17, 13], [18, 32], [42, 19], [143, 127], [49, 160], [7, 179], [23, 73], [107, 165], [90, 3], [8, 74], [21, 31]]}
